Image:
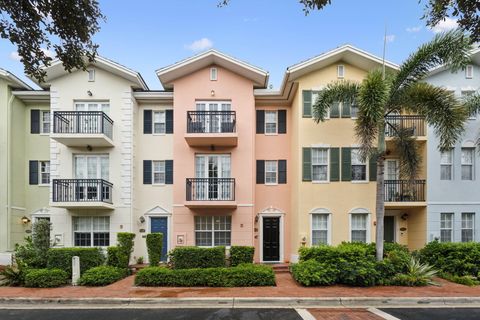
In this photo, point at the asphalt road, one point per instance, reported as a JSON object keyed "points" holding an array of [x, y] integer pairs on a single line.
{"points": [[434, 314], [149, 314]]}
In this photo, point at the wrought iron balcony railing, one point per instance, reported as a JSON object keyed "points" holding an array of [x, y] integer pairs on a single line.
{"points": [[82, 122], [211, 121], [404, 190], [210, 189], [82, 190], [410, 122]]}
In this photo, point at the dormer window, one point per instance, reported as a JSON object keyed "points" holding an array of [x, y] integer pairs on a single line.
{"points": [[91, 75], [213, 74], [340, 71], [469, 72]]}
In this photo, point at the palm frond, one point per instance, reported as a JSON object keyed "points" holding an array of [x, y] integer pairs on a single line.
{"points": [[450, 49], [407, 149], [346, 91], [441, 110], [472, 103], [372, 97]]}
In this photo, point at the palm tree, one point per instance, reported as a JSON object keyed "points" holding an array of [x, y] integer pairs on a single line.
{"points": [[380, 95]]}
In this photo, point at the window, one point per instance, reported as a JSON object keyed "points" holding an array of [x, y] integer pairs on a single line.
{"points": [[467, 163], [44, 172], [340, 71], [467, 226], [319, 164], [446, 165], [45, 122], [91, 75], [92, 167], [270, 122], [158, 172], [213, 74], [446, 227], [359, 227], [159, 122], [91, 231], [354, 110], [213, 231], [270, 172], [320, 228], [469, 72], [465, 96], [359, 167]]}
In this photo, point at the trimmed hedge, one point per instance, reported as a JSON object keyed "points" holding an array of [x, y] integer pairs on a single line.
{"points": [[45, 278], [314, 273], [241, 254], [102, 276], [61, 258], [195, 257], [112, 256], [154, 248], [245, 275], [125, 248]]}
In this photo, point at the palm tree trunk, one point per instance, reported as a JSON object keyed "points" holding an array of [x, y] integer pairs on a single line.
{"points": [[380, 194]]}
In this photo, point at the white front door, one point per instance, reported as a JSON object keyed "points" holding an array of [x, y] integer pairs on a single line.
{"points": [[212, 169], [391, 176]]}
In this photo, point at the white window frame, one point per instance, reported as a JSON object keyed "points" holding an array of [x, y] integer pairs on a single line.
{"points": [[465, 95], [213, 74], [212, 230], [91, 75], [450, 164], [463, 228], [160, 173], [365, 163], [275, 172], [340, 71], [354, 103], [321, 212], [275, 122], [42, 173], [45, 126], [320, 164], [99, 158], [162, 114], [92, 231], [98, 105], [368, 227], [442, 220], [472, 165], [315, 93], [469, 72]]}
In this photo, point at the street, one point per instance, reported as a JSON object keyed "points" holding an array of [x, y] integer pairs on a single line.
{"points": [[434, 313]]}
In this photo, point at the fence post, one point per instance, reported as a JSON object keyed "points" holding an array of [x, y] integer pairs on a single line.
{"points": [[75, 270]]}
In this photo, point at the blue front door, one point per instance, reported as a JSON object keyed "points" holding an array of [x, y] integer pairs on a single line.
{"points": [[160, 224]]}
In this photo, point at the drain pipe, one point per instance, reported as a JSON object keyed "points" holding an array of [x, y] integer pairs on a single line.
{"points": [[9, 173]]}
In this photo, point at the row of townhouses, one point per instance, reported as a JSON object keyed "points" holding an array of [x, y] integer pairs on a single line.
{"points": [[217, 158]]}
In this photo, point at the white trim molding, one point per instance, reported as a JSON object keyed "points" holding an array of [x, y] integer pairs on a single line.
{"points": [[272, 212]]}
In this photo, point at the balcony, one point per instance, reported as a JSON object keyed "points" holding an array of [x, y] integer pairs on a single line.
{"points": [[82, 128], [416, 125], [82, 194], [211, 128], [210, 193], [401, 192]]}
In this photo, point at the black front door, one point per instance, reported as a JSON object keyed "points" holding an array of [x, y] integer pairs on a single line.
{"points": [[389, 228], [271, 239]]}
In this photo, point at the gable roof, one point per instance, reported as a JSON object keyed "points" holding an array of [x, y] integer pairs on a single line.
{"points": [[184, 67], [475, 56], [56, 70], [14, 81]]}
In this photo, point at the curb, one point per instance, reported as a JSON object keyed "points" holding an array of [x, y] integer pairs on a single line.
{"points": [[257, 302]]}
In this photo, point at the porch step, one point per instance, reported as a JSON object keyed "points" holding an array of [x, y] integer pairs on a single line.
{"points": [[281, 268]]}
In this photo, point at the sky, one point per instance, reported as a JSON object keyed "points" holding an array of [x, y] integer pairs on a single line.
{"points": [[146, 35]]}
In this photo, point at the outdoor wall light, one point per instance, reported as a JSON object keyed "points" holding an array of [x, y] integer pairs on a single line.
{"points": [[25, 220], [212, 93], [142, 219], [404, 216], [89, 93]]}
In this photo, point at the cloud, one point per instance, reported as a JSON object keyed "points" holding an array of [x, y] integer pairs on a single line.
{"points": [[390, 38], [14, 56], [48, 52], [200, 45], [445, 25], [414, 29]]}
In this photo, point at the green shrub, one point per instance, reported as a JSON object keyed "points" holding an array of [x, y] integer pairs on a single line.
{"points": [[15, 274], [314, 273], [125, 248], [195, 257], [465, 280], [154, 248], [112, 256], [45, 278], [241, 254], [458, 259], [26, 254], [61, 258], [41, 240], [408, 281], [102, 276], [244, 275], [395, 262]]}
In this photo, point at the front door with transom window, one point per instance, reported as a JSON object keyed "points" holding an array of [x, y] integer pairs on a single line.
{"points": [[160, 224], [271, 239]]}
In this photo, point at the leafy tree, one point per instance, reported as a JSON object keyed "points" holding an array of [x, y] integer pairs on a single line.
{"points": [[380, 95], [36, 26]]}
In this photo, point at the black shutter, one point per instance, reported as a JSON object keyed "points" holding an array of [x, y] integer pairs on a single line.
{"points": [[147, 171], [282, 171], [346, 164], [260, 121], [334, 164], [168, 171], [307, 103], [33, 172], [147, 121], [34, 121], [372, 168], [260, 171], [282, 121], [307, 164], [169, 121]]}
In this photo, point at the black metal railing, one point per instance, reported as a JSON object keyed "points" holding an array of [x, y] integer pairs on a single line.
{"points": [[410, 122], [82, 190], [404, 190], [210, 189], [211, 121], [93, 122]]}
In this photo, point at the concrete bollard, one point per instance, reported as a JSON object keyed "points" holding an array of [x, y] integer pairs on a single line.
{"points": [[75, 270]]}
